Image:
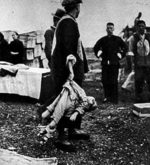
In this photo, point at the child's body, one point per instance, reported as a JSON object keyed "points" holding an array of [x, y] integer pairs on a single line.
{"points": [[71, 102]]}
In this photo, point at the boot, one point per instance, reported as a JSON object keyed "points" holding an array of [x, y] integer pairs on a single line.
{"points": [[78, 134]]}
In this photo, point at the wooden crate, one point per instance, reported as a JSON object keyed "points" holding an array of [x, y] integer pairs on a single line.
{"points": [[141, 109]]}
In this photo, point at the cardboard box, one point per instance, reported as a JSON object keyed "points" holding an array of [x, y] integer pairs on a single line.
{"points": [[141, 109], [29, 54], [38, 50]]}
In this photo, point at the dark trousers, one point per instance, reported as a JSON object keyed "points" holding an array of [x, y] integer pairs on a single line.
{"points": [[142, 75], [66, 123], [128, 67], [110, 82]]}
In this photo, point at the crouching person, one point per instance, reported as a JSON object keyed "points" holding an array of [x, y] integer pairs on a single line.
{"points": [[66, 112]]}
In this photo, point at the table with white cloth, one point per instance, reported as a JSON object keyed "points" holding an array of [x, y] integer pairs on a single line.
{"points": [[31, 82]]}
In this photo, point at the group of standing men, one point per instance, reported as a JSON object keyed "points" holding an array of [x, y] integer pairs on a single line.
{"points": [[67, 45], [113, 49]]}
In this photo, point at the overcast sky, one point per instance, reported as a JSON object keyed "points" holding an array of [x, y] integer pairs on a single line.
{"points": [[29, 15]]}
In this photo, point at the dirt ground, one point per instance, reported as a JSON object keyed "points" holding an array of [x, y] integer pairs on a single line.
{"points": [[117, 137]]}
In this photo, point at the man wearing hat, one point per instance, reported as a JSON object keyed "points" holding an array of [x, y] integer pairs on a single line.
{"points": [[66, 47], [49, 34]]}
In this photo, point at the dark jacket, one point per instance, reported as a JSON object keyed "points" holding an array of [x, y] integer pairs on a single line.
{"points": [[16, 46], [67, 36], [4, 51], [110, 46], [49, 34]]}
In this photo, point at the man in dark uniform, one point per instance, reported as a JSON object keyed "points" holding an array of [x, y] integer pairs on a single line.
{"points": [[111, 49], [49, 34]]}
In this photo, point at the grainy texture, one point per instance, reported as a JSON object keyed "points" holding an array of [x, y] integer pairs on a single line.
{"points": [[116, 135]]}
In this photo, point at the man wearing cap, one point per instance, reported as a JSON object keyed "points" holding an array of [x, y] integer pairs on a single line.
{"points": [[67, 46], [49, 34]]}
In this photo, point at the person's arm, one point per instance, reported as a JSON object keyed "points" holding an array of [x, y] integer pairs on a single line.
{"points": [[71, 73], [97, 48], [69, 39], [70, 61], [123, 49], [80, 109], [70, 36]]}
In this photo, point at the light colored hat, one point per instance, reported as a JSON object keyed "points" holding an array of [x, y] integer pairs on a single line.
{"points": [[59, 13], [70, 2]]}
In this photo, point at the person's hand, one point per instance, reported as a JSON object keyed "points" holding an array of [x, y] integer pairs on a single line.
{"points": [[71, 74], [119, 55], [74, 116], [99, 53]]}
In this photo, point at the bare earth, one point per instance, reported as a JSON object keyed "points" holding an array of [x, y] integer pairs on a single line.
{"points": [[117, 137]]}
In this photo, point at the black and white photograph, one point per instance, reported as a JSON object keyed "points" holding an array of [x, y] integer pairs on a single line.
{"points": [[74, 82]]}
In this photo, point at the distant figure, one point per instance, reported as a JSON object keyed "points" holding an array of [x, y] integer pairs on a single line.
{"points": [[111, 49], [4, 49], [136, 20], [128, 32], [139, 48], [49, 34], [16, 49]]}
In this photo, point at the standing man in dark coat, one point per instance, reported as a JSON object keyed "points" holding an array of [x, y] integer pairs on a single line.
{"points": [[16, 49], [111, 49], [49, 34], [67, 46]]}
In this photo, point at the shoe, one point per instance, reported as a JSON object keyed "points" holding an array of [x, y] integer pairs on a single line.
{"points": [[78, 134], [62, 139], [65, 145]]}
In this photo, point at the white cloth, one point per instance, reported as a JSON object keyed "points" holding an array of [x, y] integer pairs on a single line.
{"points": [[27, 82], [143, 47], [129, 82]]}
